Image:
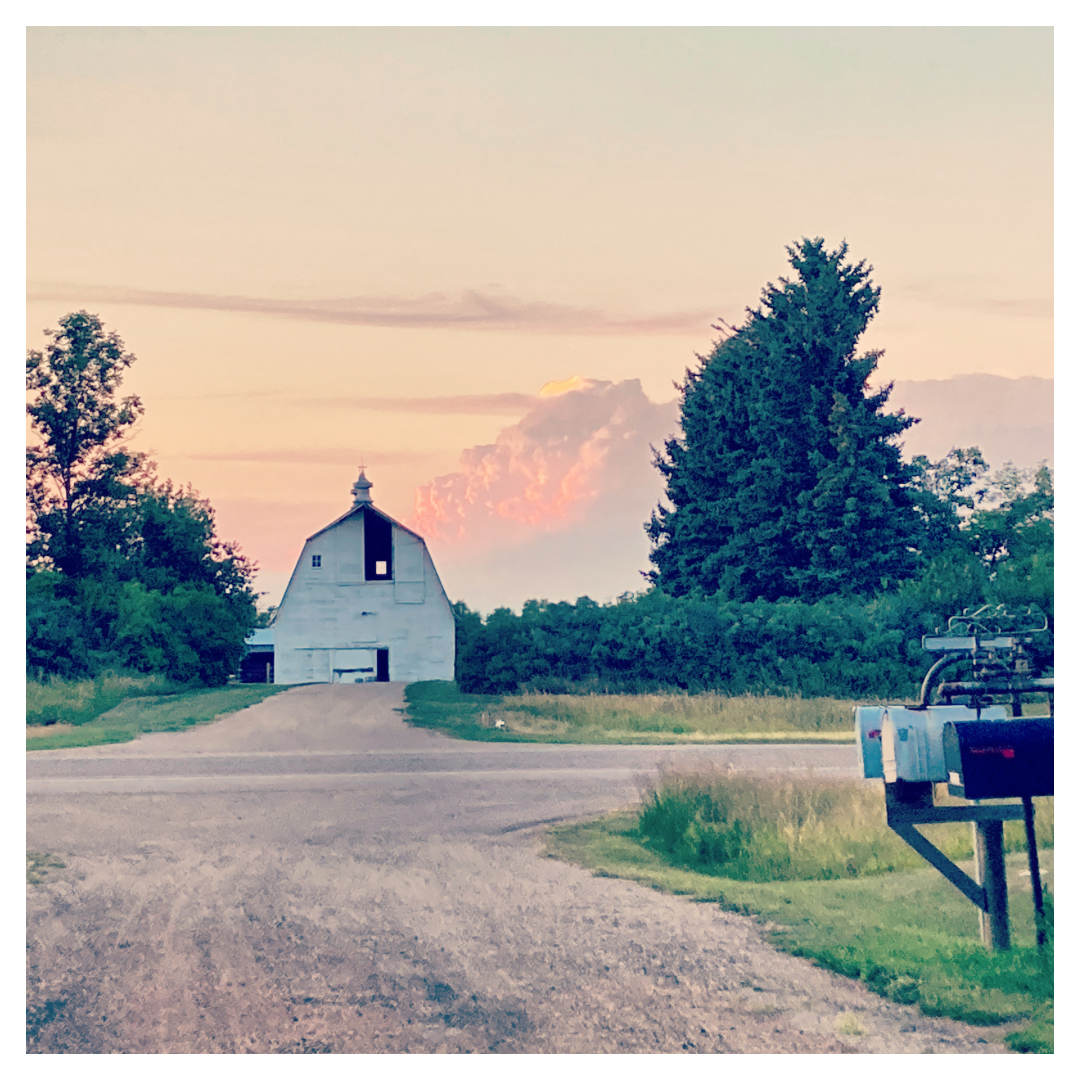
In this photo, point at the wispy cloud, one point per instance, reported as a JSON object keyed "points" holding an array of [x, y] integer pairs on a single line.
{"points": [[467, 310], [452, 404], [507, 404], [335, 457], [1032, 307]]}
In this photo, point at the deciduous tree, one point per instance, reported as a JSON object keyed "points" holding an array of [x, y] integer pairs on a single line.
{"points": [[124, 571], [81, 474]]}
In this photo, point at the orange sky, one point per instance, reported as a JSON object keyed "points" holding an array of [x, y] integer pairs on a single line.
{"points": [[324, 245]]}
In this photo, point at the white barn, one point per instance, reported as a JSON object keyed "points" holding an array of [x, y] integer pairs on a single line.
{"points": [[364, 604]]}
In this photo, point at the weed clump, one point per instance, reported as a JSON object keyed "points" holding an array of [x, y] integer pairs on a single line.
{"points": [[752, 829]]}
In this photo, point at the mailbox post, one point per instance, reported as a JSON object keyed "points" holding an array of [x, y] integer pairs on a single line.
{"points": [[979, 745], [990, 873]]}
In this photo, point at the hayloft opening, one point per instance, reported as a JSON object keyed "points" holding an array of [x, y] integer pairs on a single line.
{"points": [[378, 548]]}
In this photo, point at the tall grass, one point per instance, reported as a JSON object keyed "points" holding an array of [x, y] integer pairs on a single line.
{"points": [[67, 701], [751, 829], [627, 718], [706, 713]]}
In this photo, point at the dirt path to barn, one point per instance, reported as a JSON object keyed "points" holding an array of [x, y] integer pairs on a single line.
{"points": [[311, 875]]}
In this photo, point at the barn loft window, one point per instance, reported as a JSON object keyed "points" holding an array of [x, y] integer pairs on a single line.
{"points": [[378, 547], [316, 561]]}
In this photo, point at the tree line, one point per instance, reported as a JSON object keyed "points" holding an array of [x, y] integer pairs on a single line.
{"points": [[125, 571], [845, 646]]}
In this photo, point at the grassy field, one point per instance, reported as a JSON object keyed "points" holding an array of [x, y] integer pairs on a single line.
{"points": [[136, 714], [627, 718], [818, 865], [74, 702]]}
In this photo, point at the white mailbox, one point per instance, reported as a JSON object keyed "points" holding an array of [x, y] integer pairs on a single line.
{"points": [[912, 745]]}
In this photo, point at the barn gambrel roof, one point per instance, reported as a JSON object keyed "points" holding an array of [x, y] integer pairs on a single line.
{"points": [[351, 512], [359, 510]]}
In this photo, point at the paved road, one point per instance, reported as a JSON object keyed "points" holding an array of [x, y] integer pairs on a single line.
{"points": [[312, 875]]}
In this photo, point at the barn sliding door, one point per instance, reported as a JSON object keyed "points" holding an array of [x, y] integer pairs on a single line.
{"points": [[354, 665]]}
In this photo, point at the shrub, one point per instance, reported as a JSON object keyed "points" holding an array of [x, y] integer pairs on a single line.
{"points": [[784, 830]]}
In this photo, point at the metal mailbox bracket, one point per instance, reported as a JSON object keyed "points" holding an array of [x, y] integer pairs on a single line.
{"points": [[992, 639], [911, 804]]}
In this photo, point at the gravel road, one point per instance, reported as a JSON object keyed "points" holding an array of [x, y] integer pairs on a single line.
{"points": [[311, 875]]}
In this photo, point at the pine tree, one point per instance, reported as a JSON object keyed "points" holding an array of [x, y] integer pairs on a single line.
{"points": [[787, 479]]}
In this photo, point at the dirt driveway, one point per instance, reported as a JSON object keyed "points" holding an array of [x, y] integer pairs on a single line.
{"points": [[313, 876]]}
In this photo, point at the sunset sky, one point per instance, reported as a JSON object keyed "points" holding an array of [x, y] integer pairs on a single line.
{"points": [[334, 245]]}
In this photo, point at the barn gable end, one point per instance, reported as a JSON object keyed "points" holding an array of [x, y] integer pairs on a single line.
{"points": [[364, 604]]}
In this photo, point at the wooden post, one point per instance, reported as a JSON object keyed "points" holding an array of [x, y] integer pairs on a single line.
{"points": [[267, 670], [989, 837]]}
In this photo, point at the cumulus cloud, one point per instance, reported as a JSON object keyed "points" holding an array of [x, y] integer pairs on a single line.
{"points": [[583, 438], [1008, 419], [555, 507], [466, 310]]}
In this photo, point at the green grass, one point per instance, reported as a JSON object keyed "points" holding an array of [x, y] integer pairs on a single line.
{"points": [[79, 701], [864, 917], [627, 718], [38, 865], [139, 715]]}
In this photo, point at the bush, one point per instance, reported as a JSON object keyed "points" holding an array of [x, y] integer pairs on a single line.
{"points": [[57, 642], [789, 830], [190, 635], [838, 648]]}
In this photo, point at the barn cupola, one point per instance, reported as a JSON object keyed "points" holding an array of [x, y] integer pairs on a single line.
{"points": [[361, 490]]}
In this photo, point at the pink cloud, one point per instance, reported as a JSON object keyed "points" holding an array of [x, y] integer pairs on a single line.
{"points": [[571, 453]]}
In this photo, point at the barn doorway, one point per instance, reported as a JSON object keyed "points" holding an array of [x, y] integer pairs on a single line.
{"points": [[353, 665], [257, 667], [382, 665]]}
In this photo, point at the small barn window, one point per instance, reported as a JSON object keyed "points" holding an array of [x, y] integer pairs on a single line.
{"points": [[316, 561]]}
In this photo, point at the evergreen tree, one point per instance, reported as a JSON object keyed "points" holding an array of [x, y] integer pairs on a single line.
{"points": [[787, 480]]}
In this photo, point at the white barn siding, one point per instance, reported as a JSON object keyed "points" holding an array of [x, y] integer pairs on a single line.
{"points": [[332, 622]]}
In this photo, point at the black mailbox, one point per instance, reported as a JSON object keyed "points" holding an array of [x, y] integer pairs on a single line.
{"points": [[1000, 759]]}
